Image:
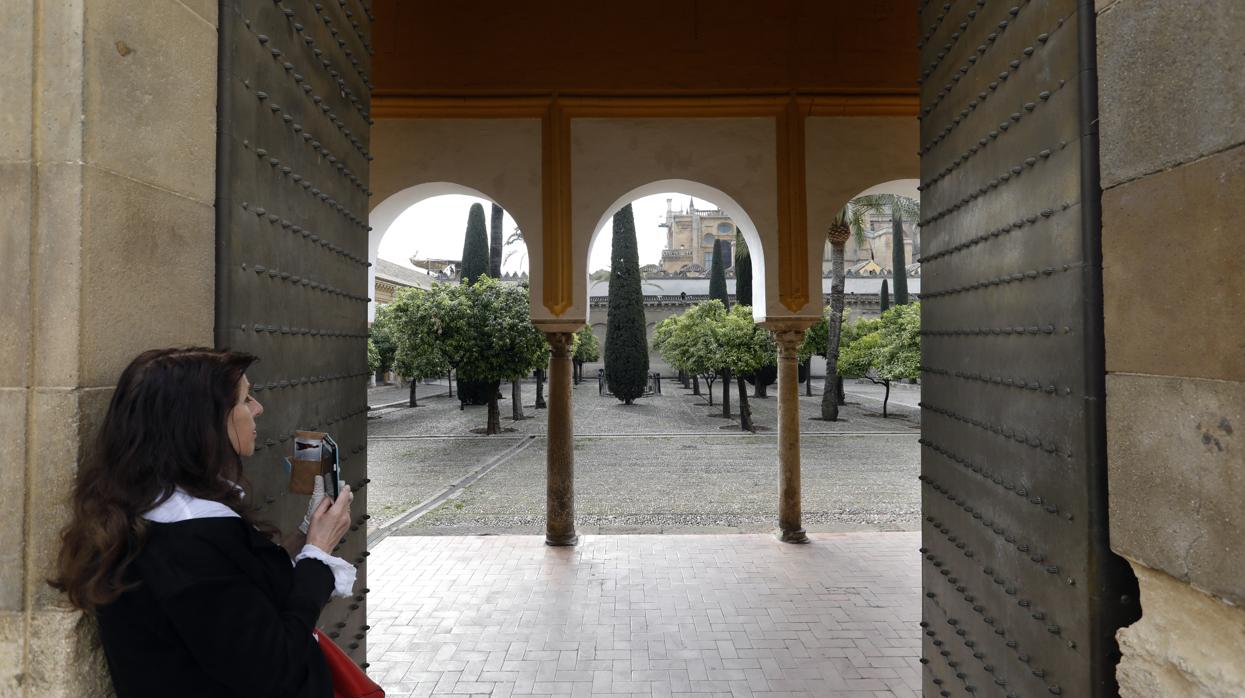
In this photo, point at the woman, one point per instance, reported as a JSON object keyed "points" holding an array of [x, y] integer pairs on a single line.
{"points": [[192, 595]]}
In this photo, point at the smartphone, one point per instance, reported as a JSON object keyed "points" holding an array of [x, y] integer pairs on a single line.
{"points": [[331, 460]]}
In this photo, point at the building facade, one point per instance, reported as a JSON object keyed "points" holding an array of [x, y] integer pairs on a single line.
{"points": [[690, 236], [692, 232]]}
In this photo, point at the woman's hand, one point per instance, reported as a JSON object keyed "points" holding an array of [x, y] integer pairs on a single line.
{"points": [[330, 521]]}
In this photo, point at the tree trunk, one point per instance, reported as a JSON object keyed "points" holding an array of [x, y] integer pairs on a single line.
{"points": [[449, 378], [829, 401], [808, 377], [726, 393], [839, 392], [745, 412], [494, 413], [540, 388], [886, 397], [413, 402], [709, 389], [695, 385], [516, 398]]}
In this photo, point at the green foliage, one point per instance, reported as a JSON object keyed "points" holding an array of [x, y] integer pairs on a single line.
{"points": [[373, 357], [885, 300], [909, 209], [475, 246], [417, 319], [626, 352], [887, 348], [381, 334], [858, 347], [900, 357], [587, 349], [687, 342], [494, 340], [814, 343], [816, 338], [662, 334], [717, 276], [743, 271], [743, 347]]}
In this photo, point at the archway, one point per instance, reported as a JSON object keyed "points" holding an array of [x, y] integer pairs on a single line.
{"points": [[724, 201], [877, 252], [382, 218]]}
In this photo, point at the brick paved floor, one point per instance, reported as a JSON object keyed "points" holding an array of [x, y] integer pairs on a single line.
{"points": [[695, 615]]}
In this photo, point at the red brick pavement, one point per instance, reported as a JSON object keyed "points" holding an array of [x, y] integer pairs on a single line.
{"points": [[661, 615]]}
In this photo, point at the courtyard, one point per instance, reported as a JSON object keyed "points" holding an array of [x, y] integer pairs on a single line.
{"points": [[669, 464], [677, 586]]}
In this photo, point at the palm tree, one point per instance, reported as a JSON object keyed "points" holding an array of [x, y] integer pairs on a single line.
{"points": [[901, 209], [513, 249], [848, 223], [850, 220]]}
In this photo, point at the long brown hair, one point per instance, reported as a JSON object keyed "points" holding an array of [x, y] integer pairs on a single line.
{"points": [[165, 428]]}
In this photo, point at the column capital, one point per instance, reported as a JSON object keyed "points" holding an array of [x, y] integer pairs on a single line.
{"points": [[560, 343], [788, 341], [779, 325]]}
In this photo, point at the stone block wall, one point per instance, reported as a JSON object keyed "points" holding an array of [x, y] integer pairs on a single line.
{"points": [[1172, 103], [107, 178]]}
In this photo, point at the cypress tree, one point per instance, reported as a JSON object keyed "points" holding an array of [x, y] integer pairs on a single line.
{"points": [[475, 246], [886, 297], [898, 258], [626, 346], [495, 242], [717, 276], [766, 375], [474, 265], [743, 271]]}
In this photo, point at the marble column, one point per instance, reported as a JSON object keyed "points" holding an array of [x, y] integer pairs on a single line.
{"points": [[560, 457], [790, 530]]}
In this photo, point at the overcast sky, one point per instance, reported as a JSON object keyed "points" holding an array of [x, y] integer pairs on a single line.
{"points": [[435, 228]]}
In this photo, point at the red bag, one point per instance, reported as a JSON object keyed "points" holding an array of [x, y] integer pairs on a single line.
{"points": [[349, 681]]}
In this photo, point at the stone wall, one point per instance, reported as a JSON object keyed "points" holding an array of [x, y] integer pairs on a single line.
{"points": [[1173, 171], [107, 153]]}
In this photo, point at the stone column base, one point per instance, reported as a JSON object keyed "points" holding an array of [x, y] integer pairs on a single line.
{"points": [[1187, 644], [796, 536]]}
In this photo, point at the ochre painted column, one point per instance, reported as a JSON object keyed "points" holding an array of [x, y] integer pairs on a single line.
{"points": [[790, 530], [560, 458]]}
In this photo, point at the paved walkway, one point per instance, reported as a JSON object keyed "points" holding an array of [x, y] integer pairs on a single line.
{"points": [[701, 615]]}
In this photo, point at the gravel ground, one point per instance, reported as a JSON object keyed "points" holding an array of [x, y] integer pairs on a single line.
{"points": [[662, 465], [689, 484], [677, 411], [406, 472]]}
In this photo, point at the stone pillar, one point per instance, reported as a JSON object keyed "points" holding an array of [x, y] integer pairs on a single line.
{"points": [[1173, 161], [790, 530], [560, 444], [107, 177]]}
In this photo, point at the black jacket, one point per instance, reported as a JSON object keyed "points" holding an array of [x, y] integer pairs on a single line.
{"points": [[220, 612]]}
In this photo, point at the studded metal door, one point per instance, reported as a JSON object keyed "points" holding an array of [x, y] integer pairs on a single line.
{"points": [[292, 202], [1021, 594]]}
